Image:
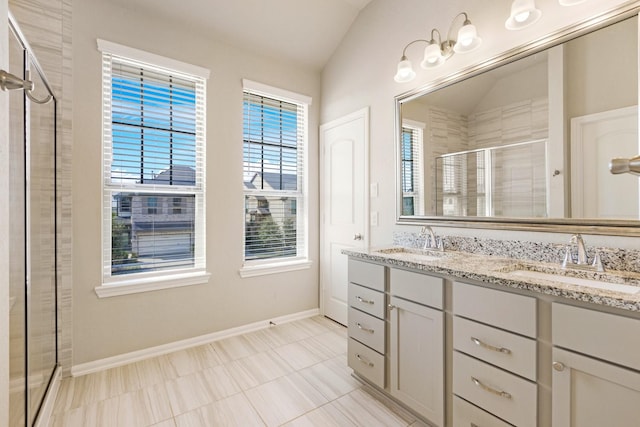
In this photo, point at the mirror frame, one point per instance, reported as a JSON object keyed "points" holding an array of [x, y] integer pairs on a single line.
{"points": [[560, 225]]}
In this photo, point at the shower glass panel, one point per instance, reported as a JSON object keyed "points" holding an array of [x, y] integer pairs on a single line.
{"points": [[33, 339]]}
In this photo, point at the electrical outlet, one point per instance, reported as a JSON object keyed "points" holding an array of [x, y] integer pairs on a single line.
{"points": [[374, 219], [374, 189]]}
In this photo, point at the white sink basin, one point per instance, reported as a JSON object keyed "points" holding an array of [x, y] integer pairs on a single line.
{"points": [[598, 284]]}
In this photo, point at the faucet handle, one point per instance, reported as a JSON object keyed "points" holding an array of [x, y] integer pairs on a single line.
{"points": [[567, 257], [597, 263]]}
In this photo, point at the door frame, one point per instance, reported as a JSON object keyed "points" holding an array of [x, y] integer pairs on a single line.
{"points": [[364, 114]]}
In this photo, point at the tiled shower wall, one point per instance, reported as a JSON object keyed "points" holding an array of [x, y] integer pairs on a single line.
{"points": [[47, 26]]}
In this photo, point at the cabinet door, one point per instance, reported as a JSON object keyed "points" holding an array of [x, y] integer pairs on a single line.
{"points": [[591, 393], [417, 358]]}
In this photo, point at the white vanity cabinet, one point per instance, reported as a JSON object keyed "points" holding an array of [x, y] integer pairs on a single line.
{"points": [[596, 368], [416, 351], [366, 320], [494, 357]]}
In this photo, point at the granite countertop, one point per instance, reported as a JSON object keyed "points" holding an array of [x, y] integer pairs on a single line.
{"points": [[501, 271]]}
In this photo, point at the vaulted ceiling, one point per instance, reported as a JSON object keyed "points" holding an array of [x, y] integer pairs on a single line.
{"points": [[304, 31]]}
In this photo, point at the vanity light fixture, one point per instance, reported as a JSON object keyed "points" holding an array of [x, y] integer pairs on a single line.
{"points": [[523, 14], [570, 2], [438, 51]]}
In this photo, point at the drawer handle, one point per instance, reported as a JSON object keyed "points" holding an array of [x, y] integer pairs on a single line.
{"points": [[365, 301], [490, 389], [362, 328], [391, 307], [503, 350], [558, 366], [364, 361]]}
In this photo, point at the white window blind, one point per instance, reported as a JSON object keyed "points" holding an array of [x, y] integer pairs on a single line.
{"points": [[274, 139], [412, 170], [154, 169]]}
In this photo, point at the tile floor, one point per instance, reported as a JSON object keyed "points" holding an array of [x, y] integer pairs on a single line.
{"points": [[294, 374]]}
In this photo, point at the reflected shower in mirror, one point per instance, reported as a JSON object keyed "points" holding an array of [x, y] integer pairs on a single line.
{"points": [[531, 139]]}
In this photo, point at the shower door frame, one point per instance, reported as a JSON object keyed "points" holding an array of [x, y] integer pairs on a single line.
{"points": [[35, 417]]}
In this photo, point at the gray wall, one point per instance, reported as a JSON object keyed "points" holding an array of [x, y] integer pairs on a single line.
{"points": [[117, 325]]}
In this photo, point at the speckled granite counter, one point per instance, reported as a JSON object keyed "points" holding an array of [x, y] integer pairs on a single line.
{"points": [[500, 271]]}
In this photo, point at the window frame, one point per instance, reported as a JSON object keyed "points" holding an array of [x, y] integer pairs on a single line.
{"points": [[257, 267], [113, 285]]}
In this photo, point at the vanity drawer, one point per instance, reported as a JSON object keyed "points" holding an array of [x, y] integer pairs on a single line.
{"points": [[516, 313], [509, 351], [367, 300], [366, 362], [417, 287], [467, 415], [367, 329], [603, 335], [482, 385], [366, 274]]}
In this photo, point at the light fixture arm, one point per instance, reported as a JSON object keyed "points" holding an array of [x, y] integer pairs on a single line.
{"points": [[449, 40], [404, 51]]}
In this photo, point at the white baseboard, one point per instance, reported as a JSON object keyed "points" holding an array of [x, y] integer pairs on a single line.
{"points": [[135, 356]]}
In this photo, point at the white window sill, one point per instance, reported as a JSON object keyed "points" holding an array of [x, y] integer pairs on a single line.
{"points": [[149, 284], [274, 267]]}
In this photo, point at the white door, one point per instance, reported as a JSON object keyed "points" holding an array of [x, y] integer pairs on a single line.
{"points": [[591, 393], [595, 140], [343, 205]]}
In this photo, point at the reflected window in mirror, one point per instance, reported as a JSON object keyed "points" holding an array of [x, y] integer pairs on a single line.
{"points": [[412, 159]]}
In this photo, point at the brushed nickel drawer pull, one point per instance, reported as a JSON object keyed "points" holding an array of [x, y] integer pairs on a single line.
{"points": [[503, 350], [490, 389], [364, 361], [362, 328], [365, 301], [391, 307]]}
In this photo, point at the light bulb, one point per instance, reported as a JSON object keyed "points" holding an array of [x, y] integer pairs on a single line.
{"points": [[405, 71]]}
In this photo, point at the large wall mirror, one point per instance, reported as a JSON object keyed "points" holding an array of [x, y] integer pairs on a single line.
{"points": [[525, 142]]}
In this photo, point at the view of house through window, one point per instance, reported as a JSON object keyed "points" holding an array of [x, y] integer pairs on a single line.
{"points": [[273, 146], [153, 186]]}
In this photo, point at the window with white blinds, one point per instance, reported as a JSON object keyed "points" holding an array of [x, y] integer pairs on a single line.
{"points": [[412, 169], [153, 166], [274, 174]]}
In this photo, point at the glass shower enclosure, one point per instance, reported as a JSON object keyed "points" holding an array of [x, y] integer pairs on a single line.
{"points": [[33, 273]]}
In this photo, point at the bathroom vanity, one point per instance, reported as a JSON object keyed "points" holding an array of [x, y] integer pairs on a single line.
{"points": [[461, 339]]}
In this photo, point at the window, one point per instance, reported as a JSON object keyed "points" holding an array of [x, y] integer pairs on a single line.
{"points": [[153, 155], [411, 168], [274, 143]]}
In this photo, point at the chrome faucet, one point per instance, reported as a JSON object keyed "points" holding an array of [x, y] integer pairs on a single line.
{"points": [[431, 241], [581, 260]]}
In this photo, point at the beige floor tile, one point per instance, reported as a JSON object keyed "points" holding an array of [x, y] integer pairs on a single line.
{"points": [[234, 348], [331, 378], [155, 371], [252, 371], [325, 416], [195, 359], [219, 381], [166, 423], [299, 356], [328, 323], [234, 411], [366, 411], [326, 345], [284, 399], [143, 407], [188, 393]]}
